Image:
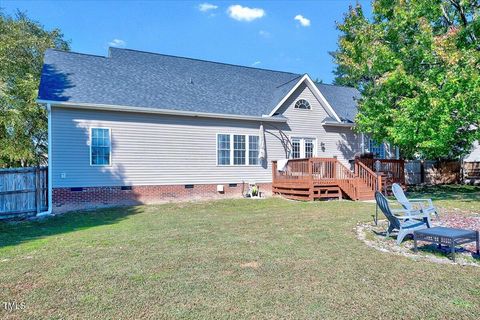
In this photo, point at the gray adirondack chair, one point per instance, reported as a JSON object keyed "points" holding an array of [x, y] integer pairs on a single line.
{"points": [[404, 224], [421, 208]]}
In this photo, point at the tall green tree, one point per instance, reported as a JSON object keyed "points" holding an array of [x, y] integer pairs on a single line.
{"points": [[417, 65], [23, 122]]}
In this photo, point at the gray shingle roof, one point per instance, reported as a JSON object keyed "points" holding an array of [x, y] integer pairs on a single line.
{"points": [[142, 79], [342, 99]]}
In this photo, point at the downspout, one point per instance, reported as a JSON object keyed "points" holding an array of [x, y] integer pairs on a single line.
{"points": [[49, 131], [363, 144]]}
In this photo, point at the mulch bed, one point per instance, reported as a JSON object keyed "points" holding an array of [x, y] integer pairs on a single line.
{"points": [[374, 236], [460, 220]]}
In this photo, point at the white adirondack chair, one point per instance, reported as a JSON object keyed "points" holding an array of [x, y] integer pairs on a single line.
{"points": [[404, 224], [421, 208]]}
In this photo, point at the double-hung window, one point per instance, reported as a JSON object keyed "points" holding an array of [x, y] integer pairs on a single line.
{"points": [[100, 147], [253, 145], [237, 149], [223, 149]]}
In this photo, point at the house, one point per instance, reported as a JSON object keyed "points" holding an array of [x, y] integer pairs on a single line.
{"points": [[471, 165], [140, 127], [474, 155]]}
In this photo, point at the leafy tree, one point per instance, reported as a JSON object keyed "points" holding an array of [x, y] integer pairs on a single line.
{"points": [[23, 122], [417, 65]]}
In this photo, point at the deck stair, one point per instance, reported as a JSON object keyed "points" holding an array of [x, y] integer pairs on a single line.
{"points": [[323, 178]]}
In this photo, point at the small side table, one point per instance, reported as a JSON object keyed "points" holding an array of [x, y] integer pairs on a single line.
{"points": [[447, 236]]}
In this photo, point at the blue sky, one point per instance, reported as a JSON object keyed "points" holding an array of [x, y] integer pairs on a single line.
{"points": [[291, 36]]}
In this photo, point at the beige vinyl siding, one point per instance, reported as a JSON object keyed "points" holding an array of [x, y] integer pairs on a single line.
{"points": [[341, 142], [150, 149], [153, 149]]}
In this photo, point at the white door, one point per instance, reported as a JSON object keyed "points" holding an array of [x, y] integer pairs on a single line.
{"points": [[303, 147]]}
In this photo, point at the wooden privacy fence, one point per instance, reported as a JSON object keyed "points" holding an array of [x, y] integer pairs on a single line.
{"points": [[471, 172], [23, 192], [432, 172]]}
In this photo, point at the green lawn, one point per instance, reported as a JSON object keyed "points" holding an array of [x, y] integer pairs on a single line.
{"points": [[226, 259], [451, 196]]}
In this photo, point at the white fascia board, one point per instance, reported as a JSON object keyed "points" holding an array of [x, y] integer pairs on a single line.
{"points": [[315, 91], [107, 107], [321, 97], [339, 124], [299, 82]]}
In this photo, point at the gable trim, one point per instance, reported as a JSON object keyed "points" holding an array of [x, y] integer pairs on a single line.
{"points": [[106, 107], [311, 85]]}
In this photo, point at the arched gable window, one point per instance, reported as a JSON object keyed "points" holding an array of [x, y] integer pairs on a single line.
{"points": [[302, 104]]}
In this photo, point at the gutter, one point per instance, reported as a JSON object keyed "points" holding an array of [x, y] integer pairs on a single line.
{"points": [[109, 107], [339, 124], [50, 184]]}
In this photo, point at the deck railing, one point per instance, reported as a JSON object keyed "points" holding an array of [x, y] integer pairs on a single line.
{"points": [[393, 169], [297, 171], [311, 172], [370, 178], [346, 181], [306, 170]]}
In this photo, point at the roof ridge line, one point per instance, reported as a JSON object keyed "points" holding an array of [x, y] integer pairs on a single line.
{"points": [[202, 60], [80, 53]]}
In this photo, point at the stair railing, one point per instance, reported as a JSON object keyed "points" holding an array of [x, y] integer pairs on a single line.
{"points": [[368, 177], [346, 180]]}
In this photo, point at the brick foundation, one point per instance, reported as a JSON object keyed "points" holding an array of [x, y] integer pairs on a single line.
{"points": [[69, 199]]}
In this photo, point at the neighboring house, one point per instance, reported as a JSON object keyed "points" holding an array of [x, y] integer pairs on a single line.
{"points": [[471, 165], [474, 155], [139, 127]]}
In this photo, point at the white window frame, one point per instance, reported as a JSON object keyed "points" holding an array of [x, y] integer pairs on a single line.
{"points": [[232, 148], [258, 149], [302, 146], [216, 149], [245, 149], [109, 154], [297, 108]]}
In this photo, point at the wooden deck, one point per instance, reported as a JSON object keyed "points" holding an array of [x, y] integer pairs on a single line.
{"points": [[391, 170], [320, 178]]}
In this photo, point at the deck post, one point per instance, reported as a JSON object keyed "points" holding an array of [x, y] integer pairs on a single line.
{"points": [[379, 183], [274, 174], [310, 178]]}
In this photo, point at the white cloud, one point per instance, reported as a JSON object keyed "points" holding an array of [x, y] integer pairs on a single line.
{"points": [[303, 21], [117, 43], [256, 63], [240, 13], [204, 7], [264, 33]]}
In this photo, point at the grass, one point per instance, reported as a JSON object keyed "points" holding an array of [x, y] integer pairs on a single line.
{"points": [[462, 197], [226, 259]]}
